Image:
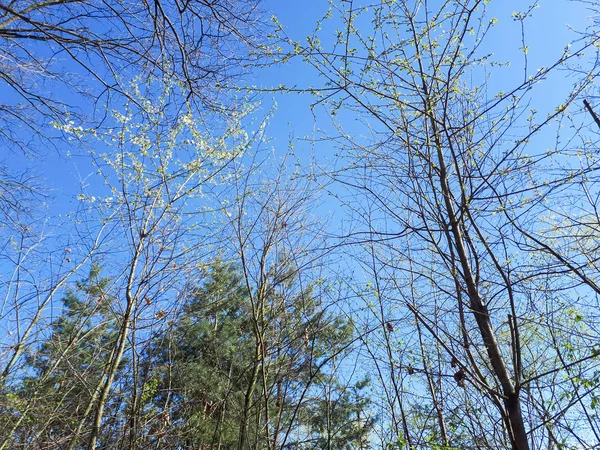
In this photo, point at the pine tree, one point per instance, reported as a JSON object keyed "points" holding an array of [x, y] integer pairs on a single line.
{"points": [[340, 420], [201, 371], [56, 398]]}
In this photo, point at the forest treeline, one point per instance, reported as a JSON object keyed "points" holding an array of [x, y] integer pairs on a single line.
{"points": [[204, 381], [418, 270]]}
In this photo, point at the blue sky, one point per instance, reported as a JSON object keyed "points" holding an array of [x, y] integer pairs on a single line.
{"points": [[551, 26], [546, 34]]}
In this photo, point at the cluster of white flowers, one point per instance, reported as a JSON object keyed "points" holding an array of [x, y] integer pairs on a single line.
{"points": [[86, 198]]}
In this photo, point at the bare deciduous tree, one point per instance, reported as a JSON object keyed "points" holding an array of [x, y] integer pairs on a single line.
{"points": [[465, 222]]}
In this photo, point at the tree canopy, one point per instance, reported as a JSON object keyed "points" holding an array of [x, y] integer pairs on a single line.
{"points": [[340, 224]]}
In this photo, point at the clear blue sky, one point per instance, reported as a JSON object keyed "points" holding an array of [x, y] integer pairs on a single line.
{"points": [[546, 35], [547, 31]]}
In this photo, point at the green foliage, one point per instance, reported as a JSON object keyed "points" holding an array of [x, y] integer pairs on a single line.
{"points": [[200, 368], [203, 369], [341, 419], [67, 366]]}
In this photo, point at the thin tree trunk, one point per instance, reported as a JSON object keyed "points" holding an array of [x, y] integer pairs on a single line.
{"points": [[432, 390], [120, 349], [248, 400]]}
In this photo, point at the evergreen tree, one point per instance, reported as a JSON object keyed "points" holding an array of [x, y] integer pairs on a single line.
{"points": [[202, 370], [56, 398], [340, 420], [195, 391]]}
